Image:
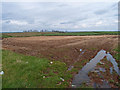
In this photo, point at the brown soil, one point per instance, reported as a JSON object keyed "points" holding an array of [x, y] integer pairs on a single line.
{"points": [[63, 48]]}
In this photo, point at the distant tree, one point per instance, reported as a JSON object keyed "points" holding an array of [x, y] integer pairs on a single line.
{"points": [[35, 31], [42, 30], [25, 31], [45, 30], [53, 31], [29, 31]]}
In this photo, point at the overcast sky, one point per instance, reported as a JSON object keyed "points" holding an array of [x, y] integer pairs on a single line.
{"points": [[19, 16]]}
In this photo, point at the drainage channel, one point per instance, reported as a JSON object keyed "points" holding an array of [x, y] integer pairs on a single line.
{"points": [[82, 52], [82, 76]]}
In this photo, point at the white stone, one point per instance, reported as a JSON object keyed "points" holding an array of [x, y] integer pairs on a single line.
{"points": [[62, 79], [51, 62], [43, 76], [1, 73]]}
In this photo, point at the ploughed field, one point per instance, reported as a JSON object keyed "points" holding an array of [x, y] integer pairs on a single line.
{"points": [[63, 48]]}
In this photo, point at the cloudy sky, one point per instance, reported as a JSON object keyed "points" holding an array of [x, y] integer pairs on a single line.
{"points": [[72, 16]]}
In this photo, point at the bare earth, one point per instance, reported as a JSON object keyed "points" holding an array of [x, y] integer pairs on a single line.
{"points": [[67, 50], [63, 48]]}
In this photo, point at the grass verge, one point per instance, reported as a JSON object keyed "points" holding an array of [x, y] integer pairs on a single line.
{"points": [[22, 71]]}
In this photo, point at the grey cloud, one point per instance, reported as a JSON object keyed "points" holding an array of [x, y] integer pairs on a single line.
{"points": [[74, 21], [114, 6], [7, 21], [101, 12], [57, 15]]}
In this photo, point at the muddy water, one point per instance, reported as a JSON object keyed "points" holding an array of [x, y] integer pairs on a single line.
{"points": [[111, 70], [115, 65], [82, 76], [90, 66], [102, 69]]}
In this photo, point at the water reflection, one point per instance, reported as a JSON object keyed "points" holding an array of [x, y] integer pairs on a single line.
{"points": [[82, 76], [115, 64]]}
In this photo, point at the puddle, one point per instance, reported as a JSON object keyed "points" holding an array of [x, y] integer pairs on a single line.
{"points": [[90, 66], [115, 65], [104, 85], [98, 70], [102, 69], [111, 70], [82, 76]]}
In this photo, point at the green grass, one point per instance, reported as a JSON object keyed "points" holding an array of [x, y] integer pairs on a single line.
{"points": [[111, 81], [81, 33], [29, 34], [117, 55], [83, 85], [6, 36], [22, 71]]}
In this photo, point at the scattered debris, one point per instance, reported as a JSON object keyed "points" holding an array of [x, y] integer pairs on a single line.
{"points": [[43, 76], [51, 62], [26, 62], [62, 79], [96, 71], [80, 50], [83, 52], [1, 73], [101, 63], [73, 85], [70, 68]]}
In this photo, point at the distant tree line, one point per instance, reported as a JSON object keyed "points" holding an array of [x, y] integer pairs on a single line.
{"points": [[30, 31], [58, 31], [44, 31]]}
